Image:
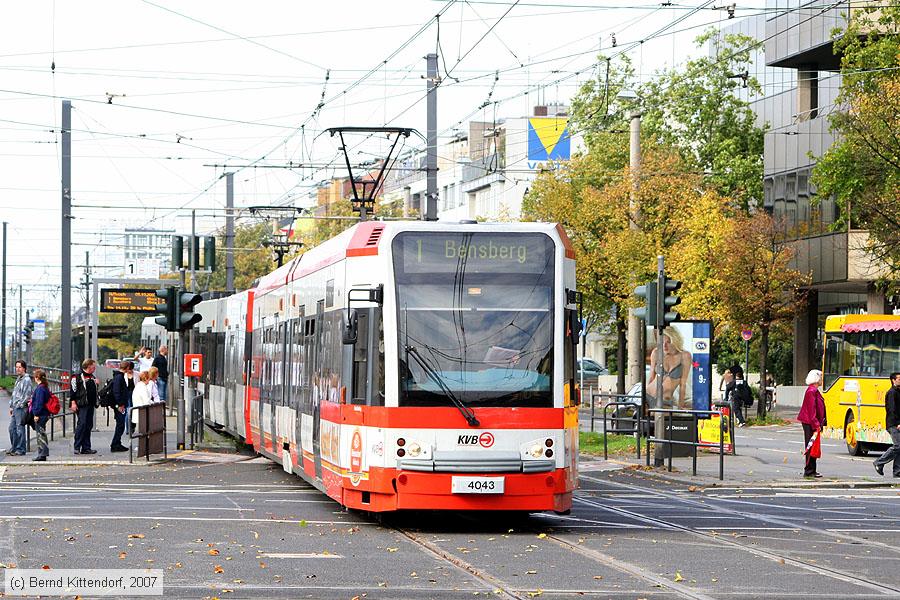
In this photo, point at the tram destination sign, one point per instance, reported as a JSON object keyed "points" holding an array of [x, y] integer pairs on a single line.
{"points": [[128, 301], [478, 253]]}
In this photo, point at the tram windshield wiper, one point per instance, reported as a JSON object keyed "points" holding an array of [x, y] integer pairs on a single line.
{"points": [[466, 412]]}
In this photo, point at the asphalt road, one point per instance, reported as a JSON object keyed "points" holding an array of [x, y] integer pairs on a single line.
{"points": [[242, 528]]}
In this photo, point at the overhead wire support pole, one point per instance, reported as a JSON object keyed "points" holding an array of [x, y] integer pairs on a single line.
{"points": [[66, 238], [3, 311], [431, 187], [229, 232]]}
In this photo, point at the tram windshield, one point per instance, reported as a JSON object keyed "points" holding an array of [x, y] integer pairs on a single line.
{"points": [[475, 315], [861, 354]]}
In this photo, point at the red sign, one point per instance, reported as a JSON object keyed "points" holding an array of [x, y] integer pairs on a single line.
{"points": [[486, 439], [356, 452], [193, 365], [746, 334]]}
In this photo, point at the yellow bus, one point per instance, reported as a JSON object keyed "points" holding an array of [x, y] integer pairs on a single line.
{"points": [[861, 351]]}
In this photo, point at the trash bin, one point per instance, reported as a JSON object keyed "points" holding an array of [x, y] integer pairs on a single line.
{"points": [[680, 429]]}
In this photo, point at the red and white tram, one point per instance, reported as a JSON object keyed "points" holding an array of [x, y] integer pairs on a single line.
{"points": [[409, 365]]}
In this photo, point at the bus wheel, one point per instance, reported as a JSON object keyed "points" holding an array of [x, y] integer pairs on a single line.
{"points": [[854, 446]]}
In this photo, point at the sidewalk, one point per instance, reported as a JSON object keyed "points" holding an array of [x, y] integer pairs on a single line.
{"points": [[767, 457], [62, 451]]}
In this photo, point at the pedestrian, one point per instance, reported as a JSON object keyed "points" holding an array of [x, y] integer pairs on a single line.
{"points": [[18, 405], [123, 386], [812, 417], [38, 408], [141, 395], [144, 360], [84, 401], [153, 385], [892, 424], [737, 391], [161, 362]]}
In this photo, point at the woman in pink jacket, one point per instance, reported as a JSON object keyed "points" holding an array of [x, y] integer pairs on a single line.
{"points": [[812, 417]]}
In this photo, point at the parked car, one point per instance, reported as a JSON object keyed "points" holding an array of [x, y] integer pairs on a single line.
{"points": [[625, 417], [590, 368], [112, 363]]}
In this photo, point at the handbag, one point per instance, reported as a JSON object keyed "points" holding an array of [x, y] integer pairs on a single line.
{"points": [[28, 417], [814, 448]]}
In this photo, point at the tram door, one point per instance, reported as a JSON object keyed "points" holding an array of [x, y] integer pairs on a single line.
{"points": [[318, 384]]}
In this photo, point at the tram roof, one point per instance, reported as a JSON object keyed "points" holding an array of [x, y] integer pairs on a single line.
{"points": [[362, 239]]}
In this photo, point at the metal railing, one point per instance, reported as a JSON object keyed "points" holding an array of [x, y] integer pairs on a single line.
{"points": [[695, 415], [195, 423], [635, 420]]}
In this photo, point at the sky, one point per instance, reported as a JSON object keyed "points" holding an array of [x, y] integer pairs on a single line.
{"points": [[168, 95]]}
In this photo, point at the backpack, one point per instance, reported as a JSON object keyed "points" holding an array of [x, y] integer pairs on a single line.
{"points": [[105, 395], [53, 404], [742, 393]]}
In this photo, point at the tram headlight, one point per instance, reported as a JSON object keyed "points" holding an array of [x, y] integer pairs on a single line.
{"points": [[536, 451]]}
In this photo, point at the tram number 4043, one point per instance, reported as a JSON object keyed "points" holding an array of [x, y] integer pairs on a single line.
{"points": [[477, 485]]}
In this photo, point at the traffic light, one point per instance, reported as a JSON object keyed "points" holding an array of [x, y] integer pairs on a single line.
{"points": [[177, 252], [670, 299], [29, 329], [647, 312], [209, 253], [168, 308], [195, 253], [187, 318]]}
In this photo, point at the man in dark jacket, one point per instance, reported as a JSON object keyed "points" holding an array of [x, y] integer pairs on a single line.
{"points": [[737, 392], [162, 365], [122, 387], [84, 400], [892, 424]]}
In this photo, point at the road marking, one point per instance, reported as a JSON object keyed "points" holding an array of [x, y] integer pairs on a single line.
{"points": [[298, 555], [212, 508], [2, 472], [52, 517]]}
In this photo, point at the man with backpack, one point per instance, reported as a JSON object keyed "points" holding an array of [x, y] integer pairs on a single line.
{"points": [[84, 400], [738, 392]]}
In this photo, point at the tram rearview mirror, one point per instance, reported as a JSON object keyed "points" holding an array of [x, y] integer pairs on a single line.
{"points": [[350, 326]]}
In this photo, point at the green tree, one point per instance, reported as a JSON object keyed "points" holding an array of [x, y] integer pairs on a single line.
{"points": [[758, 287], [862, 169]]}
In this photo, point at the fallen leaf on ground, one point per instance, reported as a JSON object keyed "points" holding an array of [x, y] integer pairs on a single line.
{"points": [[531, 572], [392, 549], [122, 555], [213, 552], [136, 536], [542, 535], [678, 576], [218, 569]]}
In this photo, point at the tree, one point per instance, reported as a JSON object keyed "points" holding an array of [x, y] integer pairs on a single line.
{"points": [[757, 285], [697, 109], [862, 169]]}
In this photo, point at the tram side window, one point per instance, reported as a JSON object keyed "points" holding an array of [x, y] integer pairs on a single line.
{"points": [[220, 359], [832, 360]]}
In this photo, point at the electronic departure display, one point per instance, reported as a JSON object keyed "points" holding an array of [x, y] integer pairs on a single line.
{"points": [[128, 301]]}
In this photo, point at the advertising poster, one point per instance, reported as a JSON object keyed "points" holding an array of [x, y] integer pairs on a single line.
{"points": [[687, 374]]}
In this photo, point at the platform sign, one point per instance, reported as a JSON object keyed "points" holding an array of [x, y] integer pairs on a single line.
{"points": [[142, 268], [40, 329], [193, 365], [128, 301]]}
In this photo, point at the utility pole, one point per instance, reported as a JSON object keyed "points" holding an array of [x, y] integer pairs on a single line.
{"points": [[429, 211], [20, 324], [635, 360], [3, 310], [229, 232], [87, 306], [66, 238]]}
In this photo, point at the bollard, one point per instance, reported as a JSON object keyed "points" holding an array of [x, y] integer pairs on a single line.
{"points": [[694, 447], [722, 447], [605, 442], [592, 408]]}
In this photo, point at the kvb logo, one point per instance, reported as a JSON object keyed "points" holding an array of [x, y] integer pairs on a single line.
{"points": [[485, 440]]}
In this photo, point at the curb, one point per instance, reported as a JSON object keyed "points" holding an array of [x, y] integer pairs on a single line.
{"points": [[97, 463], [784, 484]]}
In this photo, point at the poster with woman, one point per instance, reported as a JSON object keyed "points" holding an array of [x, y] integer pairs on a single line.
{"points": [[686, 368]]}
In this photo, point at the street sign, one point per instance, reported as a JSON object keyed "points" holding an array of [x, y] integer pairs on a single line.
{"points": [[746, 334], [142, 268], [40, 329], [128, 301], [193, 365]]}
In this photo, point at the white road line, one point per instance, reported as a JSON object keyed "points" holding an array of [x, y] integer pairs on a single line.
{"points": [[212, 508], [97, 517], [2, 472], [298, 555]]}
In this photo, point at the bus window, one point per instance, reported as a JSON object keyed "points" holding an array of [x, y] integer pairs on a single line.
{"points": [[890, 353], [849, 356], [832, 360]]}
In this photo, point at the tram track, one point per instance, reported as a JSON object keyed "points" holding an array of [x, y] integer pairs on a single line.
{"points": [[782, 558], [500, 588]]}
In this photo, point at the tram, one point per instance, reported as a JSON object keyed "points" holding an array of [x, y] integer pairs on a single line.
{"points": [[861, 351], [408, 365]]}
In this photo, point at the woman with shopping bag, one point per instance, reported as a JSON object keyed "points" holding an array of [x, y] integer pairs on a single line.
{"points": [[812, 417]]}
